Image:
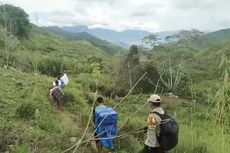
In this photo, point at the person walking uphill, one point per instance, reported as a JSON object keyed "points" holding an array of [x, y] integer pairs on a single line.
{"points": [[162, 131], [56, 94], [105, 120]]}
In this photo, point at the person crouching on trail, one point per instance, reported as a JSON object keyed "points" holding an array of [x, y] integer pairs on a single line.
{"points": [[151, 143], [56, 94], [105, 120]]}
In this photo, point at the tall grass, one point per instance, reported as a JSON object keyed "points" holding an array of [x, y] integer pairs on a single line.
{"points": [[222, 102], [210, 133]]}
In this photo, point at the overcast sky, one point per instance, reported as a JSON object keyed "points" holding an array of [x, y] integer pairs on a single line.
{"points": [[151, 15]]}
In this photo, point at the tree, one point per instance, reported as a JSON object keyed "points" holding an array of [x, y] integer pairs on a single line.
{"points": [[132, 69], [172, 76], [154, 40], [128, 69], [15, 20], [8, 43]]}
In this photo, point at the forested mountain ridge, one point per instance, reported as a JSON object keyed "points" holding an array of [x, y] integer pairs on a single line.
{"points": [[102, 44]]}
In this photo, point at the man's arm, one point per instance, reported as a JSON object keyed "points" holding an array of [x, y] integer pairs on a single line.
{"points": [[51, 94]]}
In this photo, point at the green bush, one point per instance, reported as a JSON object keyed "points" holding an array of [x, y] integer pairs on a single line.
{"points": [[26, 110], [51, 67], [133, 145], [22, 148], [68, 98], [17, 19]]}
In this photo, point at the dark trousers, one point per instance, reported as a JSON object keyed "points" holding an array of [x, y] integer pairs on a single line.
{"points": [[148, 149]]}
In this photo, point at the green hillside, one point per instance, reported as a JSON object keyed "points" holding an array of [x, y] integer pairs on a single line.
{"points": [[102, 44], [43, 47], [30, 123]]}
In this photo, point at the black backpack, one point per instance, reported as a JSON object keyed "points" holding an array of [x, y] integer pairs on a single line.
{"points": [[169, 131]]}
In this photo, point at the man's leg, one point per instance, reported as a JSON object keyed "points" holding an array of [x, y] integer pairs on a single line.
{"points": [[110, 151], [145, 150], [97, 142], [99, 147], [159, 150], [156, 150]]}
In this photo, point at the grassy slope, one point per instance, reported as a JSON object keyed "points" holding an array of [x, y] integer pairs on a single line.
{"points": [[51, 130], [43, 45], [51, 44], [44, 130]]}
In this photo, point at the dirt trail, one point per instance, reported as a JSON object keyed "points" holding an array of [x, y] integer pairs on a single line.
{"points": [[67, 118]]}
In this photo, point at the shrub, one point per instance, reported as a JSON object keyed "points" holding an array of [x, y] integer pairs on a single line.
{"points": [[50, 67], [68, 98], [26, 110], [132, 146], [22, 148]]}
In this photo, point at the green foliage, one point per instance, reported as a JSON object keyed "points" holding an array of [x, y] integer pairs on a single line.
{"points": [[26, 110], [125, 80], [21, 149], [37, 123], [198, 148], [125, 147], [15, 20], [51, 67]]}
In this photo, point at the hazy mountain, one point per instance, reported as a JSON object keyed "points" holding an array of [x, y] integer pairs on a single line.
{"points": [[124, 38], [128, 37]]}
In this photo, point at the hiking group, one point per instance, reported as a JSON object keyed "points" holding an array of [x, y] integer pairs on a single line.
{"points": [[162, 130]]}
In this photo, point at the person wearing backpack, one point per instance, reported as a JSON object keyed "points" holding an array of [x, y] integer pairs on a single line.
{"points": [[105, 120], [56, 94], [162, 131]]}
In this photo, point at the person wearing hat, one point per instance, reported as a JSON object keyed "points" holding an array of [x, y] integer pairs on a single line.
{"points": [[153, 129]]}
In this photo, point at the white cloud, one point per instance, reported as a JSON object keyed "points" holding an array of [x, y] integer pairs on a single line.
{"points": [[152, 15]]}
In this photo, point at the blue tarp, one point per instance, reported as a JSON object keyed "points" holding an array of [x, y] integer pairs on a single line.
{"points": [[106, 125]]}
